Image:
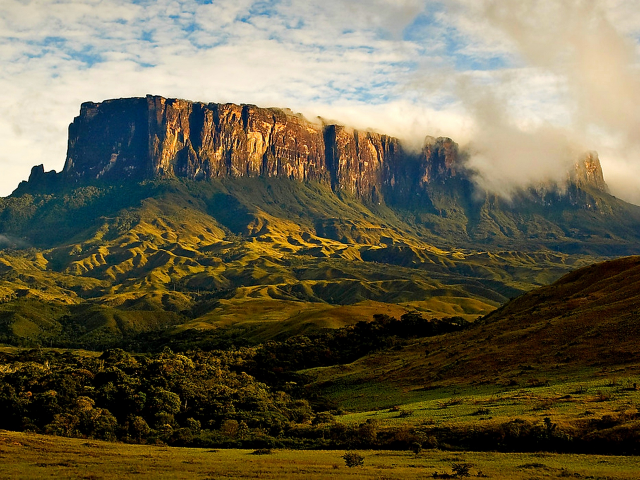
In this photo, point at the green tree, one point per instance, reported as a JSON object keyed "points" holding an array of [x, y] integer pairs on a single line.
{"points": [[138, 428]]}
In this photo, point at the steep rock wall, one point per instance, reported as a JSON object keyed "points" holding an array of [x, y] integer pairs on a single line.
{"points": [[155, 137]]}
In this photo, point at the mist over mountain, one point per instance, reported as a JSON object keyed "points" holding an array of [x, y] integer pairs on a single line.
{"points": [[154, 137]]}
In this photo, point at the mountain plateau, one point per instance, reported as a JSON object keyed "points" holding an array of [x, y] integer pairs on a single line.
{"points": [[174, 216]]}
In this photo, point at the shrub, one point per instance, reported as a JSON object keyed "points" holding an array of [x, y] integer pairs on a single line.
{"points": [[482, 411], [352, 459], [450, 402], [461, 469], [262, 451], [416, 447], [602, 396], [323, 417]]}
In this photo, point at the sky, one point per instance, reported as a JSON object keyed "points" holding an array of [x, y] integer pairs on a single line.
{"points": [[525, 87]]}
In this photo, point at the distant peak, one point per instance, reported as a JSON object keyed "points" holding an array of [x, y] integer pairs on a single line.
{"points": [[442, 159], [587, 171]]}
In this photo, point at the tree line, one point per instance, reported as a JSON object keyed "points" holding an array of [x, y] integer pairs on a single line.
{"points": [[247, 396]]}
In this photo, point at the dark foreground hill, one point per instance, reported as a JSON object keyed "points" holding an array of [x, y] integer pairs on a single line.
{"points": [[585, 323]]}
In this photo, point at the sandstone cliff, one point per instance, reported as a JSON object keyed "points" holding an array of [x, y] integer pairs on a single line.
{"points": [[589, 172], [155, 137]]}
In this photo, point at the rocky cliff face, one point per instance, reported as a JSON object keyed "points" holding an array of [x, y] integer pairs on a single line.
{"points": [[199, 141], [108, 140], [155, 137], [588, 171]]}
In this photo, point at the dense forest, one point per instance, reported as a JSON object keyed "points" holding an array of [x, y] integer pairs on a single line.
{"points": [[251, 397]]}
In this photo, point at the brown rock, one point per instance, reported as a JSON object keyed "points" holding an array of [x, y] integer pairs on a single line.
{"points": [[587, 171], [153, 137], [158, 137]]}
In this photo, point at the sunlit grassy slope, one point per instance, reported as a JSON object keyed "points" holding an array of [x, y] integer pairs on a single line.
{"points": [[95, 265], [577, 337], [562, 356]]}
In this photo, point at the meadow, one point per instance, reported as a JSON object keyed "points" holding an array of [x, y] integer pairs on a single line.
{"points": [[564, 400], [40, 456]]}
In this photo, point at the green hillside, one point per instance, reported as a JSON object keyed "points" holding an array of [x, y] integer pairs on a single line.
{"points": [[554, 370], [98, 265], [583, 323]]}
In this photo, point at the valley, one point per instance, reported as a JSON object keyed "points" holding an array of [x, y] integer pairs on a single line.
{"points": [[194, 255]]}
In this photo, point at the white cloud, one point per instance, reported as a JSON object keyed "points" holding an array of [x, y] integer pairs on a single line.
{"points": [[571, 85], [57, 54], [524, 84]]}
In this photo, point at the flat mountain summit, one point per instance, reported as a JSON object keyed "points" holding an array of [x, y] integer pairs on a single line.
{"points": [[174, 217], [155, 137]]}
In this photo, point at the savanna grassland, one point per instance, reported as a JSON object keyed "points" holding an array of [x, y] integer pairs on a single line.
{"points": [[40, 456]]}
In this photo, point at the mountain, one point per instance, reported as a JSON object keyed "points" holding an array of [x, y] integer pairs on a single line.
{"points": [[154, 137], [184, 218]]}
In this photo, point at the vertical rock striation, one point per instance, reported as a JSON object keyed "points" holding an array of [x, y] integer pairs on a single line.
{"points": [[588, 171], [156, 137]]}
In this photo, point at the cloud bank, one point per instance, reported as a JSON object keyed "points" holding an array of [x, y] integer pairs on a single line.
{"points": [[572, 84], [526, 86]]}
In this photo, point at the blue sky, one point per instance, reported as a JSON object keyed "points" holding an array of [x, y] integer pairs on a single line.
{"points": [[526, 86]]}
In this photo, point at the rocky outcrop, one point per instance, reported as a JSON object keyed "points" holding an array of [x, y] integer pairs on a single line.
{"points": [[41, 181], [440, 160], [199, 141], [588, 172], [108, 140], [155, 137]]}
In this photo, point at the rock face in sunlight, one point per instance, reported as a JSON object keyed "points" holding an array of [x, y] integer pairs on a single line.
{"points": [[141, 138], [155, 137], [589, 172]]}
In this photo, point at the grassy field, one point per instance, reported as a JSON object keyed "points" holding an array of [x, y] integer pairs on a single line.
{"points": [[563, 402], [28, 456]]}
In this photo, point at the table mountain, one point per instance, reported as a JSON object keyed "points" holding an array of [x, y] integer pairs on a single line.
{"points": [[173, 216]]}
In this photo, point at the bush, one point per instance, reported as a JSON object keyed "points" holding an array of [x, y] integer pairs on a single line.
{"points": [[416, 447], [352, 459], [461, 469], [482, 411]]}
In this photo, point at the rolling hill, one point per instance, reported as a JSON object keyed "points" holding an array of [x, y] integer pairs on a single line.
{"points": [[581, 327]]}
